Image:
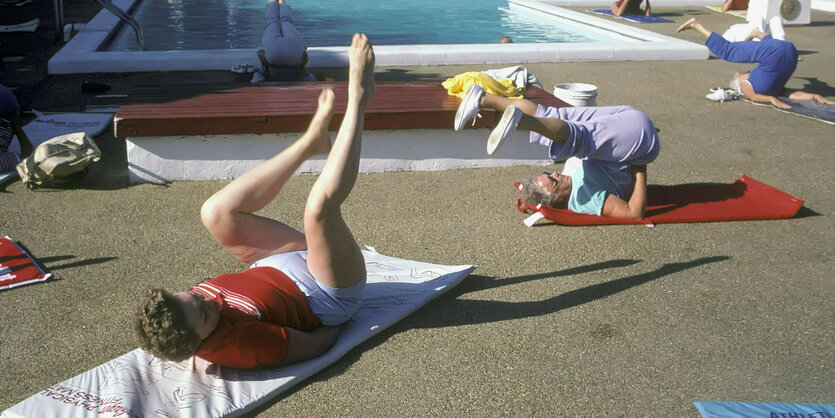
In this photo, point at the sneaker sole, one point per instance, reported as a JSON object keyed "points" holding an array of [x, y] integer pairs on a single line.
{"points": [[459, 114], [500, 132]]}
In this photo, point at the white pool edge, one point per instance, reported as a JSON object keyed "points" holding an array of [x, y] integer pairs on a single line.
{"points": [[80, 55]]}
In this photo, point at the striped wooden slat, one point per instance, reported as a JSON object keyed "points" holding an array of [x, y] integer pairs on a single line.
{"points": [[288, 108]]}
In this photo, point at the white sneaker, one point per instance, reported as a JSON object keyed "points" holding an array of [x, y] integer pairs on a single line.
{"points": [[717, 95], [505, 128], [468, 109], [720, 95], [258, 77]]}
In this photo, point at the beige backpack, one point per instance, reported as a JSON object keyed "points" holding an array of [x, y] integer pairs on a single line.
{"points": [[59, 160]]}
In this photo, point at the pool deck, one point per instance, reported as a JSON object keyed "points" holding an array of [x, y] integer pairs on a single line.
{"points": [[555, 321], [195, 134]]}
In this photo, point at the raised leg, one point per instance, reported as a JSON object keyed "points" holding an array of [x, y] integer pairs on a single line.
{"points": [[743, 51], [333, 257], [500, 103], [281, 42], [229, 214], [553, 129]]}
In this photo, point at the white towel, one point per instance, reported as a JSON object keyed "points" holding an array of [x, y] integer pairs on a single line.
{"points": [[519, 75]]}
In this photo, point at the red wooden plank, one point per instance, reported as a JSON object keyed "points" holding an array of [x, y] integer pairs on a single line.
{"points": [[274, 109]]}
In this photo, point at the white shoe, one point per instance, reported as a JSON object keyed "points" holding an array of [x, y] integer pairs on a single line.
{"points": [[721, 95], [468, 109], [258, 77], [505, 128], [717, 95]]}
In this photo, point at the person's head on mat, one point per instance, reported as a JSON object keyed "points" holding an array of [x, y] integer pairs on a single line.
{"points": [[286, 307], [549, 189], [172, 326]]}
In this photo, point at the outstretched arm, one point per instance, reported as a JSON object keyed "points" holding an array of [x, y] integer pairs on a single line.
{"points": [[636, 207], [755, 97]]}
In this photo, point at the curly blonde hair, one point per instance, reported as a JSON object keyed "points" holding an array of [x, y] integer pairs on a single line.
{"points": [[160, 327]]}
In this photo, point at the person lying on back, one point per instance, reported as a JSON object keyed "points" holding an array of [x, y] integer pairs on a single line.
{"points": [[606, 150]]}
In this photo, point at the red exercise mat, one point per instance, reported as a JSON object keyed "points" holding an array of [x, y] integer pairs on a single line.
{"points": [[746, 199], [16, 267]]}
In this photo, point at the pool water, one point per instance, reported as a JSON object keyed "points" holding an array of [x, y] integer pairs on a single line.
{"points": [[226, 24]]}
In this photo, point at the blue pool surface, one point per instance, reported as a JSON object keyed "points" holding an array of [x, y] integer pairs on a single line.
{"points": [[225, 24]]}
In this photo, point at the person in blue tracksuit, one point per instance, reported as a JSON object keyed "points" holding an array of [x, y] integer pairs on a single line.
{"points": [[776, 59]]}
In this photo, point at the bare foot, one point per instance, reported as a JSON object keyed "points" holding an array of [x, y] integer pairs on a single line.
{"points": [[755, 33], [317, 131], [688, 24], [361, 69]]}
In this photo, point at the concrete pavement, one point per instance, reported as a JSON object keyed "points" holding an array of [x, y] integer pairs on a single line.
{"points": [[556, 321]]}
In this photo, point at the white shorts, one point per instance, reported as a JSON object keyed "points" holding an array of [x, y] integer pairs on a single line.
{"points": [[332, 306]]}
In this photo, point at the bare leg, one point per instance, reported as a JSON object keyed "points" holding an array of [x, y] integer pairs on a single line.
{"points": [[805, 95], [500, 103], [333, 257], [551, 128], [695, 25], [229, 214]]}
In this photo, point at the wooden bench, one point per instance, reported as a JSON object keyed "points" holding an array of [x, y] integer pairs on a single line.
{"points": [[222, 133]]}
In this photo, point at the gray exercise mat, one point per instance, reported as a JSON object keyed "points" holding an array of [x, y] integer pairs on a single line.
{"points": [[811, 109]]}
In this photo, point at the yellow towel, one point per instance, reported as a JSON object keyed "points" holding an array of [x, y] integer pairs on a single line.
{"points": [[458, 85]]}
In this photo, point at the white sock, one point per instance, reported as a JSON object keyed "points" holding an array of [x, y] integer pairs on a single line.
{"points": [[775, 26]]}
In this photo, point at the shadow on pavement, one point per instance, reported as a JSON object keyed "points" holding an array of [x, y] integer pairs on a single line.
{"points": [[447, 310]]}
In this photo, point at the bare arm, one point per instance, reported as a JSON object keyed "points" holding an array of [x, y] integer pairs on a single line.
{"points": [[618, 10], [308, 345], [727, 5], [755, 97], [636, 207]]}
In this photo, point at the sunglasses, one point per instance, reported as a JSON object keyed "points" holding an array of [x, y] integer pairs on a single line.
{"points": [[548, 175]]}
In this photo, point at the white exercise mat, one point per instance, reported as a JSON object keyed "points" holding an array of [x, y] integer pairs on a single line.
{"points": [[138, 384]]}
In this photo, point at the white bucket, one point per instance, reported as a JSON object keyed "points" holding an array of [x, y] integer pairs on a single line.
{"points": [[576, 94]]}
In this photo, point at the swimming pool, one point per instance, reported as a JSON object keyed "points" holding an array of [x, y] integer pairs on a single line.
{"points": [[223, 24], [87, 51]]}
